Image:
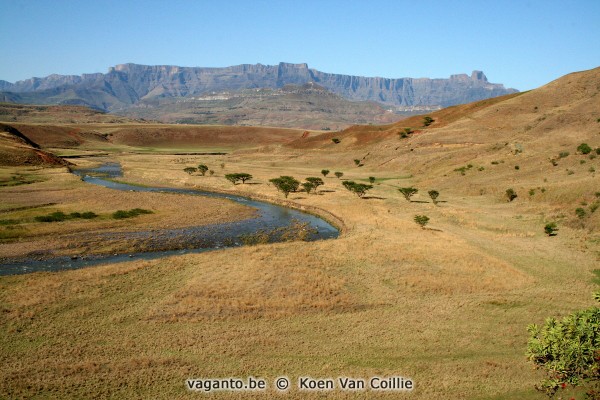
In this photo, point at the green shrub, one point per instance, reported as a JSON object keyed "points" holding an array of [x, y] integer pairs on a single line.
{"points": [[563, 154], [427, 120], [335, 140], [202, 169], [580, 212], [122, 214], [371, 179], [567, 350], [325, 172], [511, 194], [88, 215], [422, 220], [583, 148], [57, 216], [339, 174], [550, 229]]}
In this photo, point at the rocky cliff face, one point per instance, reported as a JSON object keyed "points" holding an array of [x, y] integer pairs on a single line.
{"points": [[126, 84]]}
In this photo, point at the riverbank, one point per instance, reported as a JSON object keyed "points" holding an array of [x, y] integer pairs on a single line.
{"points": [[57, 190]]}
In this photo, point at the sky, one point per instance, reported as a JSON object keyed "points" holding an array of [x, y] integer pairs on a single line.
{"points": [[521, 44]]}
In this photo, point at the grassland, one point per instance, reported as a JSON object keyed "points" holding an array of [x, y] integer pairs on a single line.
{"points": [[446, 306]]}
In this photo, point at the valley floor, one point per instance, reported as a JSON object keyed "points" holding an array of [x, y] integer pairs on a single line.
{"points": [[446, 306]]}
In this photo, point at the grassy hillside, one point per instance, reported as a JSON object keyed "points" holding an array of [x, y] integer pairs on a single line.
{"points": [[446, 305]]}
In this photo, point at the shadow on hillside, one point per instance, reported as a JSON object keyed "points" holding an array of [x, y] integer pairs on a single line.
{"points": [[252, 183], [373, 197]]}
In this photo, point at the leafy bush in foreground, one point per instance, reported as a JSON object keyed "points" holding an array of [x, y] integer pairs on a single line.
{"points": [[568, 351]]}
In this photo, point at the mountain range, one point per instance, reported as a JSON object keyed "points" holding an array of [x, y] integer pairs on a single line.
{"points": [[126, 85]]}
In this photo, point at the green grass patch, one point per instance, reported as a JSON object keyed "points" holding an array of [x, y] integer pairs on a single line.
{"points": [[10, 233], [59, 216], [122, 214]]}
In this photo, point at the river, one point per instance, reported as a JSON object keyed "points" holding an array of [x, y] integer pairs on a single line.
{"points": [[270, 217]]}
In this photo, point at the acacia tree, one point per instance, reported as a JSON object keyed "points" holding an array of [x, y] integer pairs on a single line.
{"points": [[316, 182], [372, 179], [408, 192], [568, 351], [308, 187], [360, 189], [234, 178], [434, 195], [190, 170], [338, 174], [202, 169], [325, 172], [285, 184]]}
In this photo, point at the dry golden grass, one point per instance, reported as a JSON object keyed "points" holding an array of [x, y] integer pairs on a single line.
{"points": [[59, 190], [446, 306]]}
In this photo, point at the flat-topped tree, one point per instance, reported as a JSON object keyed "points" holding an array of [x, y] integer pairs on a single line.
{"points": [[190, 170], [408, 192], [202, 169], [325, 172], [244, 177], [316, 182], [234, 178], [339, 174], [285, 184], [360, 189]]}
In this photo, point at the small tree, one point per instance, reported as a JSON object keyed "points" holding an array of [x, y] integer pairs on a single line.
{"points": [[511, 194], [234, 178], [434, 194], [222, 165], [408, 192], [360, 189], [308, 186], [211, 172], [335, 140], [316, 182], [580, 212], [427, 120], [338, 174], [325, 172], [357, 162], [568, 351], [285, 184], [372, 179], [190, 170], [422, 220], [202, 169]]}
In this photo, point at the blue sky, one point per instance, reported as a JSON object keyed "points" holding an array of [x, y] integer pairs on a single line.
{"points": [[522, 44]]}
